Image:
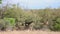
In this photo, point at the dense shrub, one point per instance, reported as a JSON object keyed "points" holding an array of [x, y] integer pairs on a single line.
{"points": [[2, 24], [56, 25], [10, 22]]}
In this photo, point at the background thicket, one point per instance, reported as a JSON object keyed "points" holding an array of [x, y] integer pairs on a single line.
{"points": [[15, 18]]}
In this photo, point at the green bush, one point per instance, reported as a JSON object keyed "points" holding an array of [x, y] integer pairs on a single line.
{"points": [[10, 23], [10, 20], [2, 24], [37, 26], [56, 25], [37, 22]]}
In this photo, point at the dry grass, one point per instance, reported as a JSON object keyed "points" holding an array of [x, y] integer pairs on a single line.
{"points": [[29, 32]]}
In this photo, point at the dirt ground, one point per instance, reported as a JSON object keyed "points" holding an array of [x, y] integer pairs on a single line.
{"points": [[28, 32]]}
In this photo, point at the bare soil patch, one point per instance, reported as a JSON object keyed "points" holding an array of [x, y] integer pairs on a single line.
{"points": [[28, 32]]}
